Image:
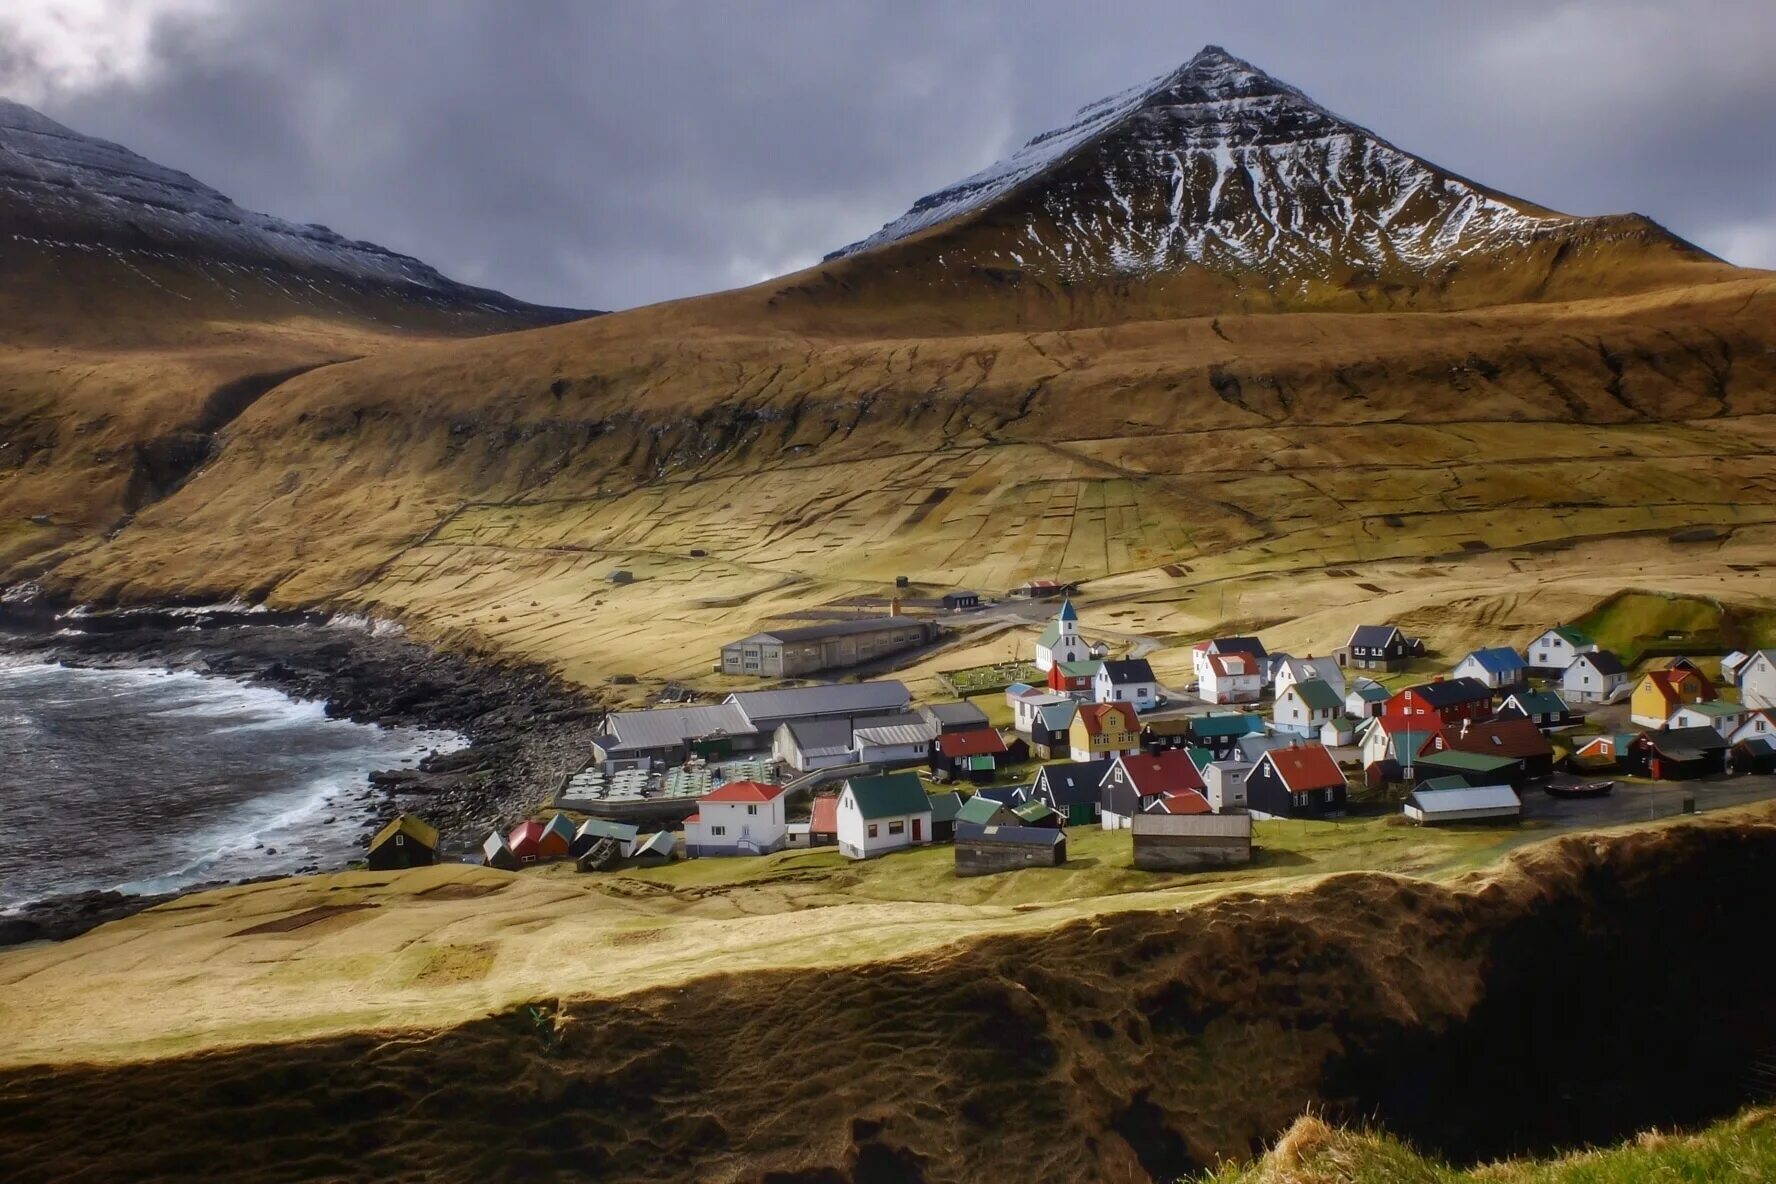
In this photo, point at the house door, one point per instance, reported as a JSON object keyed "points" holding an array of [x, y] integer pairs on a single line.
{"points": [[918, 830]]}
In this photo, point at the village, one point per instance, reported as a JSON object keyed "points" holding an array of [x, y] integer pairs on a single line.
{"points": [[1083, 734]]}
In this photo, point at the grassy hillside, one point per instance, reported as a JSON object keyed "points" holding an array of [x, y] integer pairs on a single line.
{"points": [[1741, 1150]]}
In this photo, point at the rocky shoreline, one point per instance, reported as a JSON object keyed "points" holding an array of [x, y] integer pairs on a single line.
{"points": [[524, 727]]}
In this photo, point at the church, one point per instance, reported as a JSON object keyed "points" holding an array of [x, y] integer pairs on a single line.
{"points": [[1060, 642]]}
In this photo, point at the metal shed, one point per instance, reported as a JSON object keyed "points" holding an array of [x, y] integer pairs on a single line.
{"points": [[1429, 807], [985, 850]]}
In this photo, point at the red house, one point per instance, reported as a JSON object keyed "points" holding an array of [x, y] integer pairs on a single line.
{"points": [[1449, 701], [1068, 678], [531, 841]]}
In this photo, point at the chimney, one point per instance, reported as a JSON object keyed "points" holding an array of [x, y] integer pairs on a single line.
{"points": [[894, 607]]}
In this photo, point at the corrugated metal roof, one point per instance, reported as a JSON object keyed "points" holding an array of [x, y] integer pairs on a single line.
{"points": [[1025, 836], [952, 714], [855, 628], [826, 699], [820, 736], [918, 733], [1477, 797], [604, 828], [664, 727]]}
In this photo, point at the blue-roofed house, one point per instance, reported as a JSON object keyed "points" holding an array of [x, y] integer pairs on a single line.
{"points": [[1498, 667]]}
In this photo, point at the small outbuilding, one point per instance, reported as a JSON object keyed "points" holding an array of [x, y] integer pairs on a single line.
{"points": [[1190, 842], [495, 852], [961, 601], [622, 576], [655, 849], [593, 829], [945, 808], [986, 850], [406, 841], [1473, 803]]}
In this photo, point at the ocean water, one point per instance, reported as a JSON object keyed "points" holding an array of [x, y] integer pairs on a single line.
{"points": [[150, 781]]}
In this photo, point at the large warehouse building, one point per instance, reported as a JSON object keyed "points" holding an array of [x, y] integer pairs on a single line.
{"points": [[788, 653]]}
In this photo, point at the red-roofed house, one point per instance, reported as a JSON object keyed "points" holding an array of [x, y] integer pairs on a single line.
{"points": [[1103, 730], [823, 829], [1299, 782], [1235, 677], [1185, 801], [526, 841], [739, 818], [1661, 692], [1134, 781], [975, 753]]}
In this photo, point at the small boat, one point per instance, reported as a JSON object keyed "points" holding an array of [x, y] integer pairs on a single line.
{"points": [[1588, 789]]}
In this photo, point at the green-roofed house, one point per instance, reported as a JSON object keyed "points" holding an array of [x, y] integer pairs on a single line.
{"points": [[1035, 813], [881, 814], [985, 811], [1475, 768], [1221, 733], [945, 808], [1550, 654], [1545, 709], [1338, 732], [1306, 707]]}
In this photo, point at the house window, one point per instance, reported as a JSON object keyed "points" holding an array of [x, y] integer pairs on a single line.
{"points": [[897, 828], [752, 810], [718, 830], [872, 830]]}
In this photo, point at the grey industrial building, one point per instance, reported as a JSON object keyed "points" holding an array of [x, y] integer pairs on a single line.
{"points": [[804, 649]]}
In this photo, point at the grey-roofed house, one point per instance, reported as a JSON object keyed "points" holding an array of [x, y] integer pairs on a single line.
{"points": [[1377, 647], [805, 649], [1478, 803], [495, 853], [986, 850], [764, 711], [624, 834], [1595, 677], [668, 735], [954, 717], [1072, 789], [1050, 728], [892, 741], [808, 744]]}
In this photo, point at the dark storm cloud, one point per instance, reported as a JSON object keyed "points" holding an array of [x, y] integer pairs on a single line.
{"points": [[615, 154]]}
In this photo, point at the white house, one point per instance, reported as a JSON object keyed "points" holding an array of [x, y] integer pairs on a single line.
{"points": [[1303, 708], [1026, 707], [1724, 717], [881, 814], [1338, 732], [1595, 676], [1495, 666], [808, 744], [1365, 698], [1127, 681], [1202, 651], [888, 745], [739, 818], [1224, 784], [1757, 679], [1060, 642], [1230, 678], [1297, 670], [1759, 723], [1555, 650]]}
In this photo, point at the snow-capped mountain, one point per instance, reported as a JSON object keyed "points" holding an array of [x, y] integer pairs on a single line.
{"points": [[64, 191], [1218, 166]]}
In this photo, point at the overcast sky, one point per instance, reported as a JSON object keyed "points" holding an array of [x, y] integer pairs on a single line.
{"points": [[612, 154]]}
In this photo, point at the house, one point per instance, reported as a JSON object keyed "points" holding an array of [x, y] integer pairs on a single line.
{"points": [[985, 850], [1035, 813], [1759, 722], [1180, 803], [1365, 698], [1072, 789], [496, 852], [1338, 732], [1443, 701], [1545, 709], [981, 810], [1134, 782], [1230, 678], [1303, 708], [1302, 781], [1049, 734], [623, 837], [1723, 716], [1661, 692], [823, 821], [1520, 740], [655, 849], [808, 744], [1104, 730], [1250, 748], [1473, 768], [1600, 754], [1187, 842], [1157, 735], [1041, 589], [1060, 641], [1222, 732], [1377, 647], [1678, 754], [881, 814], [1251, 647], [1391, 746], [945, 808], [670, 735], [739, 818], [974, 754], [1757, 679], [406, 841], [1479, 803], [1224, 785], [836, 645], [1497, 667], [961, 601], [953, 717], [766, 710], [889, 745], [1551, 653], [1024, 709], [1754, 755], [1596, 676], [1074, 678], [1128, 680], [1730, 666], [1290, 671], [532, 841]]}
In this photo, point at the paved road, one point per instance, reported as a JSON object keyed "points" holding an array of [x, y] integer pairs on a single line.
{"points": [[1640, 801]]}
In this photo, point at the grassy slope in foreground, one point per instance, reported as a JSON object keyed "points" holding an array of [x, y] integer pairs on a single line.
{"points": [[1740, 1150]]}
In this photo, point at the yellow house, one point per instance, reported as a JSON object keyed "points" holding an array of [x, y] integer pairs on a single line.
{"points": [[1104, 730], [1660, 692]]}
